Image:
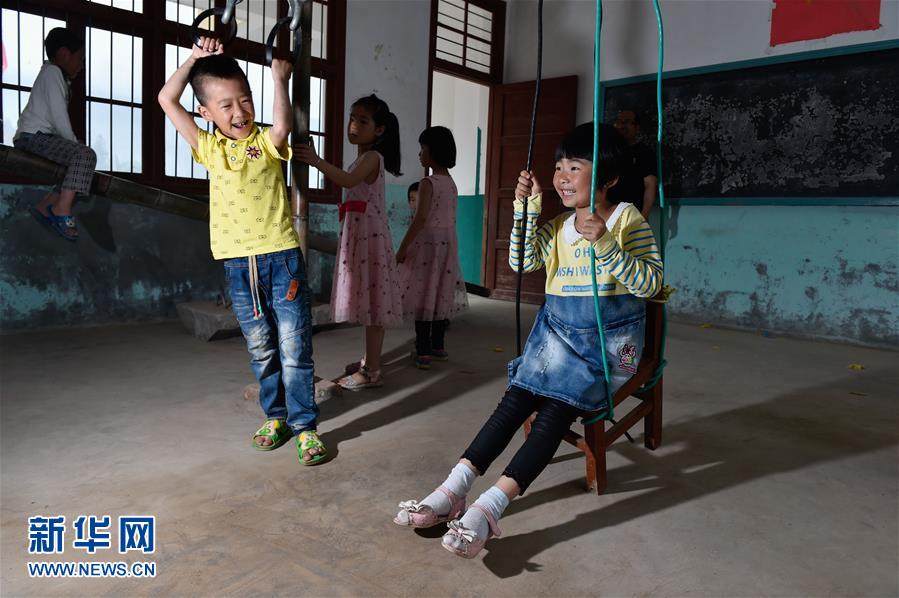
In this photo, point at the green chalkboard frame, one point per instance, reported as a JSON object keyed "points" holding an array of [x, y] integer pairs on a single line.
{"points": [[604, 86]]}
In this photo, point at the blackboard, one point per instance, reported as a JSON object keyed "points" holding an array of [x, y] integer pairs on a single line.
{"points": [[823, 127]]}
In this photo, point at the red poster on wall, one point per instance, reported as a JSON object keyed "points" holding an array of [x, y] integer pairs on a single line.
{"points": [[798, 20]]}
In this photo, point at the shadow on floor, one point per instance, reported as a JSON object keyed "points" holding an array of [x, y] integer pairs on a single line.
{"points": [[436, 391], [720, 451]]}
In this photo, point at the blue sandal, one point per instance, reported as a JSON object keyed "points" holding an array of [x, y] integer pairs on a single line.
{"points": [[60, 224]]}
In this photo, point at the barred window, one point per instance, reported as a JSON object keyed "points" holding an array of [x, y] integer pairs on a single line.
{"points": [[114, 107], [22, 61], [468, 37], [132, 5], [132, 47]]}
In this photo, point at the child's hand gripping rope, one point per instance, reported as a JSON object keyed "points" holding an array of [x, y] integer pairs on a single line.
{"points": [[593, 227], [527, 185]]}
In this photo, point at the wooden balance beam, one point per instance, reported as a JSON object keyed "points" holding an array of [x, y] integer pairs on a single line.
{"points": [[43, 171]]}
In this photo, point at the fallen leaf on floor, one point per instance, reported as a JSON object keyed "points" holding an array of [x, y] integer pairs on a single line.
{"points": [[715, 347], [498, 349], [856, 366], [705, 325], [858, 394]]}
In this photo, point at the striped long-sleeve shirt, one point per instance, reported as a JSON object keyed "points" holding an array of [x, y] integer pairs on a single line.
{"points": [[627, 258]]}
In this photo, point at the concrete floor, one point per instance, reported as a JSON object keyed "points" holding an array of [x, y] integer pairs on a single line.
{"points": [[777, 476]]}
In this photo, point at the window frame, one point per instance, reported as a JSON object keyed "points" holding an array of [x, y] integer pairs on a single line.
{"points": [[156, 31], [83, 83], [497, 8]]}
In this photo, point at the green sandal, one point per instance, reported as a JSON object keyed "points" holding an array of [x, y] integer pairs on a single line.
{"points": [[309, 440], [275, 430]]}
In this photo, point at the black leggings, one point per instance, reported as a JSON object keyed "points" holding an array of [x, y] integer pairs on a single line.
{"points": [[429, 336], [554, 418]]}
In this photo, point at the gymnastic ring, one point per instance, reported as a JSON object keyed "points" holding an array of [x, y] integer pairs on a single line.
{"points": [[220, 11], [270, 42]]}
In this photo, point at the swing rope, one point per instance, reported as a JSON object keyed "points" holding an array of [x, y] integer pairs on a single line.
{"points": [[657, 375], [663, 218], [610, 411], [531, 137]]}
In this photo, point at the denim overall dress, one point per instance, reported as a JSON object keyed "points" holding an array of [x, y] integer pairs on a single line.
{"points": [[562, 356]]}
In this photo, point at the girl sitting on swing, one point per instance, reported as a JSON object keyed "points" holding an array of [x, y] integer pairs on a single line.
{"points": [[560, 375]]}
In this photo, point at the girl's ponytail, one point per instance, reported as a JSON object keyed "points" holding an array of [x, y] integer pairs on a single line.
{"points": [[388, 144]]}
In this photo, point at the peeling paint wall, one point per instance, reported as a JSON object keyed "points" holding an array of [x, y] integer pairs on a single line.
{"points": [[823, 272], [323, 221], [320, 266], [130, 264]]}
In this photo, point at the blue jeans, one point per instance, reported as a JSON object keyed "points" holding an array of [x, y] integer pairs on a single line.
{"points": [[279, 339]]}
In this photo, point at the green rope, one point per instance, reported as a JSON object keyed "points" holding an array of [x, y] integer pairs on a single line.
{"points": [[657, 375], [663, 221], [610, 411]]}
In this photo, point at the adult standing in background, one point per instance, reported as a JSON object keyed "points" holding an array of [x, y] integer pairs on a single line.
{"points": [[640, 184]]}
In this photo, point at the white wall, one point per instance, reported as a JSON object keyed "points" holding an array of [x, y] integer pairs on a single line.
{"points": [[697, 33], [387, 53], [462, 106]]}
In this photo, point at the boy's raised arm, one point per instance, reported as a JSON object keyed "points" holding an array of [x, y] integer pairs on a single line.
{"points": [[282, 112], [170, 95]]}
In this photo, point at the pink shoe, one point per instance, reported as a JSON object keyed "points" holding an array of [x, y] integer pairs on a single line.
{"points": [[471, 543], [418, 515], [372, 379], [352, 368]]}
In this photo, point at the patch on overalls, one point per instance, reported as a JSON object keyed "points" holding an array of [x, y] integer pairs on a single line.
{"points": [[627, 356], [292, 289]]}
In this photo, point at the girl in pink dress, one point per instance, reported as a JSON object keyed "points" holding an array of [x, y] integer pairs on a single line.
{"points": [[433, 288], [366, 289]]}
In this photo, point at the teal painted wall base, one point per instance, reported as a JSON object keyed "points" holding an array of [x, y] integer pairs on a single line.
{"points": [[320, 266], [323, 221], [823, 272], [470, 230], [469, 226], [130, 264], [819, 272]]}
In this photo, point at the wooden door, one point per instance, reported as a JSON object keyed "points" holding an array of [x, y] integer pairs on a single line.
{"points": [[507, 149]]}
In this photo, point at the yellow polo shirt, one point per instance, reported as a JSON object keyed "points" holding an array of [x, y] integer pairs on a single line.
{"points": [[249, 211]]}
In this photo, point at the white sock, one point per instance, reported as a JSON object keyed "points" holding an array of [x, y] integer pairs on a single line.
{"points": [[494, 502], [459, 482]]}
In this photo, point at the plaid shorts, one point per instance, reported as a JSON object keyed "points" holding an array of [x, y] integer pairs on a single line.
{"points": [[80, 160]]}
